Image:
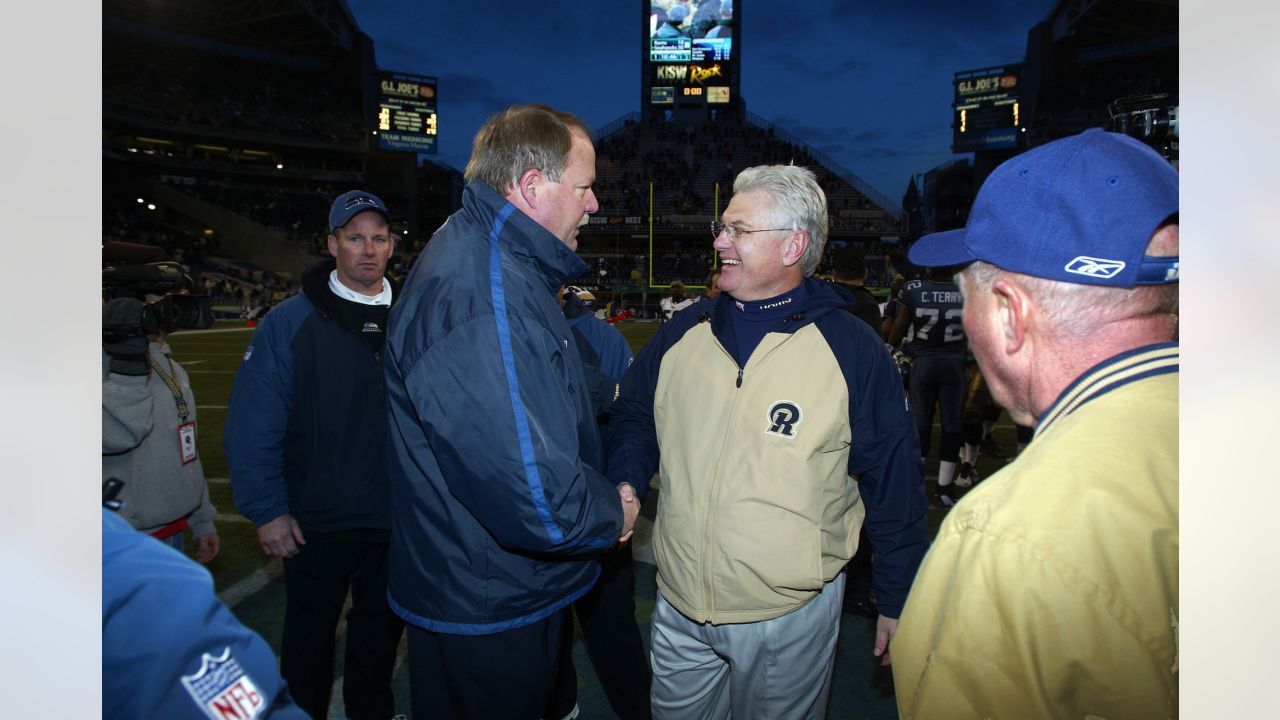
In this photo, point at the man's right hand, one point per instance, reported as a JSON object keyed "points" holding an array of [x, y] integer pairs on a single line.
{"points": [[281, 537], [630, 511]]}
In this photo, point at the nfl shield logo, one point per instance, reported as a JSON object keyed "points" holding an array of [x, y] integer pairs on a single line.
{"points": [[222, 690]]}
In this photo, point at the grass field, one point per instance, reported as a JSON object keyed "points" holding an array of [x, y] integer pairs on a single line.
{"points": [[211, 358]]}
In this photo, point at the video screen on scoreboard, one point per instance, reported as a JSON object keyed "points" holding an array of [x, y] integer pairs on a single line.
{"points": [[690, 30], [668, 50], [406, 118]]}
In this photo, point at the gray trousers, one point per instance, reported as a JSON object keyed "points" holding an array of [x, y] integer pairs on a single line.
{"points": [[778, 669]]}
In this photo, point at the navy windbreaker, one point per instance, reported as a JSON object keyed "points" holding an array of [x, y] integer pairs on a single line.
{"points": [[498, 508], [306, 429]]}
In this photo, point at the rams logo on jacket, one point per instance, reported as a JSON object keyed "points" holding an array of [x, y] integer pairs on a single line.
{"points": [[784, 416]]}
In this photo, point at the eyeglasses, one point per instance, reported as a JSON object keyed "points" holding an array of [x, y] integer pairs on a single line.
{"points": [[733, 231]]}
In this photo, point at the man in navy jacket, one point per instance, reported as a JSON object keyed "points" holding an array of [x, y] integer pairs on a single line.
{"points": [[499, 510], [306, 439]]}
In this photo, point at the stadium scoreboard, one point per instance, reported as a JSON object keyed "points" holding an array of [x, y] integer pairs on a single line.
{"points": [[690, 59], [406, 118], [986, 111]]}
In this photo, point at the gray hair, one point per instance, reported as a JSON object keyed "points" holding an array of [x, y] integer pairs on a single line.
{"points": [[1077, 309], [798, 201], [521, 138]]}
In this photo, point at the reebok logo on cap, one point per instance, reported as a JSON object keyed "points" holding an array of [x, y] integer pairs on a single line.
{"points": [[1100, 268]]}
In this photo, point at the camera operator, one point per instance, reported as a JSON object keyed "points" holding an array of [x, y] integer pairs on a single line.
{"points": [[149, 427]]}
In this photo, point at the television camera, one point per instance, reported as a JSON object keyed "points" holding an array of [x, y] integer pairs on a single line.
{"points": [[1153, 119], [175, 309]]}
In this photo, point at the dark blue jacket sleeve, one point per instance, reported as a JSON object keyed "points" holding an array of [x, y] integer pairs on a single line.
{"points": [[162, 625], [600, 386], [885, 457], [633, 437], [503, 426], [258, 417], [615, 353]]}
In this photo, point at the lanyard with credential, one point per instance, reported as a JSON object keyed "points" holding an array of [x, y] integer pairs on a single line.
{"points": [[173, 387], [186, 430]]}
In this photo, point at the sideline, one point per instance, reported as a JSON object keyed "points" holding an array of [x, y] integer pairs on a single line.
{"points": [[251, 584]]}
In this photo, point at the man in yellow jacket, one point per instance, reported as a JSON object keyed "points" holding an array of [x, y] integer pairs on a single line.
{"points": [[1051, 590]]}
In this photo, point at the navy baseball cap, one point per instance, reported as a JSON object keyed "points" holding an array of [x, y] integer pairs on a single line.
{"points": [[352, 203], [1080, 210]]}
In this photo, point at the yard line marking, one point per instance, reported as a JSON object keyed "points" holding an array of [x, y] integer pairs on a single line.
{"points": [[185, 333], [338, 706], [191, 362], [211, 372], [251, 584], [211, 407], [218, 481], [226, 518]]}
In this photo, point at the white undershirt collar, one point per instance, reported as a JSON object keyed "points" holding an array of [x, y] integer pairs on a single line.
{"points": [[346, 293]]}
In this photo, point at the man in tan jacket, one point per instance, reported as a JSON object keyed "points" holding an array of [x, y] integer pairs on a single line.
{"points": [[778, 427], [1051, 589]]}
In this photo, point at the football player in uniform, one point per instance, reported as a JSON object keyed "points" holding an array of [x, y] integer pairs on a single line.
{"points": [[932, 308]]}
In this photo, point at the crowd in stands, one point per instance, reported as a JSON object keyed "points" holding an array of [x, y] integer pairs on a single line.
{"points": [[685, 163], [298, 211], [220, 90], [134, 223], [689, 261], [177, 85], [227, 281], [692, 18]]}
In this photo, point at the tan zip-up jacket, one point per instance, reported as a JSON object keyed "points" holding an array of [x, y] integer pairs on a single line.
{"points": [[759, 506]]}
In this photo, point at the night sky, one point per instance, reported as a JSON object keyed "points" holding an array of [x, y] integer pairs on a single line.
{"points": [[868, 83]]}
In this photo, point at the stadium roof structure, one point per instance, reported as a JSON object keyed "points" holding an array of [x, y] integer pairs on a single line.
{"points": [[1103, 21], [306, 26]]}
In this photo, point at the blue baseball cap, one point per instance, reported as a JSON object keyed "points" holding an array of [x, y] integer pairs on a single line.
{"points": [[352, 203], [1080, 210]]}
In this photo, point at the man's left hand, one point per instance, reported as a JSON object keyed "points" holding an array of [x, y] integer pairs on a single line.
{"points": [[885, 629]]}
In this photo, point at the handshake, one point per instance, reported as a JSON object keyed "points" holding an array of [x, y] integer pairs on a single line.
{"points": [[126, 323], [630, 511]]}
